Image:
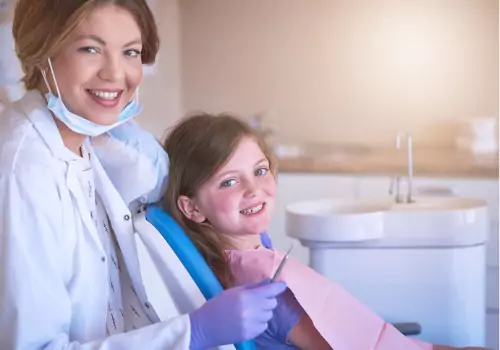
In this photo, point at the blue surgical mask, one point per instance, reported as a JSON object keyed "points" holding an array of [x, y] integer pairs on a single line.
{"points": [[79, 124]]}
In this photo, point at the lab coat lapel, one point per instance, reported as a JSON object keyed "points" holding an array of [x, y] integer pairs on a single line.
{"points": [[43, 122], [121, 222], [76, 191], [35, 109]]}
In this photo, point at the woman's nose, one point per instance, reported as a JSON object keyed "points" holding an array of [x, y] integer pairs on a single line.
{"points": [[112, 69]]}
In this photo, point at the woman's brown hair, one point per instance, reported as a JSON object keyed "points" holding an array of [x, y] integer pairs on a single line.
{"points": [[41, 27], [197, 148]]}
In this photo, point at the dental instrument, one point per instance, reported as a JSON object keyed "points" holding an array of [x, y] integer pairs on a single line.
{"points": [[282, 264]]}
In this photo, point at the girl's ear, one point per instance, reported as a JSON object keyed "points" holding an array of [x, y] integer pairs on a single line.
{"points": [[189, 209]]}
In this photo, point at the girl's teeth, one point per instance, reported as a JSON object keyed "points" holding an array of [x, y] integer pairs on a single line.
{"points": [[253, 210], [105, 95]]}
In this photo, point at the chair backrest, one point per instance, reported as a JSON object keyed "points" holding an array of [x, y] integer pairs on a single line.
{"points": [[190, 257]]}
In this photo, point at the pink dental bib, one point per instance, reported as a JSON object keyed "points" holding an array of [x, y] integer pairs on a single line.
{"points": [[343, 321]]}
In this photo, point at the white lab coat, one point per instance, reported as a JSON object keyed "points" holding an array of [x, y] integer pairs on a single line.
{"points": [[53, 273]]}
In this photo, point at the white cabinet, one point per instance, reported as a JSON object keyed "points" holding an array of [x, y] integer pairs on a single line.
{"points": [[294, 187], [487, 189]]}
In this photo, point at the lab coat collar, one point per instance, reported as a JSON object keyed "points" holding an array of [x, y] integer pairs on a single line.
{"points": [[35, 108]]}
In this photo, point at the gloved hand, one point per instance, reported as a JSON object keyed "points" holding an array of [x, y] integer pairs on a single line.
{"points": [[235, 315], [266, 240]]}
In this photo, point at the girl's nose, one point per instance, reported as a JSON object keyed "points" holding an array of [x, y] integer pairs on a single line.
{"points": [[250, 189]]}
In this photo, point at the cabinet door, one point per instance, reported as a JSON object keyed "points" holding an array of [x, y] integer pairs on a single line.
{"points": [[294, 187], [486, 189], [492, 327]]}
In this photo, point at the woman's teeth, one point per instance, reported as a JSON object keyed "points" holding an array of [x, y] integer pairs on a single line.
{"points": [[105, 95], [253, 210]]}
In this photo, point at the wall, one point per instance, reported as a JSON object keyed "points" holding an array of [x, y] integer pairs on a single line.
{"points": [[344, 71], [10, 68], [160, 91]]}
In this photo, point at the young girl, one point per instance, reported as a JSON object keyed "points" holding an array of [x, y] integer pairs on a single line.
{"points": [[222, 186]]}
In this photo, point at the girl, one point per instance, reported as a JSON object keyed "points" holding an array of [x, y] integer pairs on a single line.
{"points": [[222, 186]]}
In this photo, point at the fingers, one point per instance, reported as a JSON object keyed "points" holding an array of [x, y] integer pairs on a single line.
{"points": [[270, 289], [263, 317], [268, 304], [261, 283]]}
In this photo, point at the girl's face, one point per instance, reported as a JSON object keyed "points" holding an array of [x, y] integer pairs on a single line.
{"points": [[100, 67], [239, 199]]}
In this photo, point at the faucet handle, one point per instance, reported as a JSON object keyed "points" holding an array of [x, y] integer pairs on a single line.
{"points": [[394, 185], [391, 185], [409, 195]]}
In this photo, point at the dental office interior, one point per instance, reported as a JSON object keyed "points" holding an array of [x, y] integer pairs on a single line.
{"points": [[383, 116]]}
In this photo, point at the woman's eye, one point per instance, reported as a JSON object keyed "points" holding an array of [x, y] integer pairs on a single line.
{"points": [[89, 49], [261, 171], [132, 53], [228, 183]]}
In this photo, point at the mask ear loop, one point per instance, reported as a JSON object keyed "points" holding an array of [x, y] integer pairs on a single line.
{"points": [[44, 75], [137, 95], [54, 77]]}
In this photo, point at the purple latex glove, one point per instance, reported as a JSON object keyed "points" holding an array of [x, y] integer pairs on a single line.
{"points": [[266, 240], [235, 315]]}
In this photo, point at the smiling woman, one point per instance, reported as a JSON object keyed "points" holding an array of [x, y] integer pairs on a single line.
{"points": [[93, 63], [74, 166]]}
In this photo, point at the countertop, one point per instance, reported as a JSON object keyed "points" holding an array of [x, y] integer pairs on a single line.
{"points": [[426, 162]]}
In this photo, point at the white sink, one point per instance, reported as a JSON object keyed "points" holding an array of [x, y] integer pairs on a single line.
{"points": [[382, 222], [420, 262], [340, 220]]}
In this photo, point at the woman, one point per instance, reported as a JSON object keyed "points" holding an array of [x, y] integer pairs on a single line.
{"points": [[69, 274]]}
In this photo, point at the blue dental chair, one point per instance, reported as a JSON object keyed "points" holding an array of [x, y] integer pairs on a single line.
{"points": [[189, 256]]}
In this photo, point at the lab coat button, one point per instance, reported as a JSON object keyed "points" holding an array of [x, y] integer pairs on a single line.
{"points": [[127, 217], [147, 304], [103, 259]]}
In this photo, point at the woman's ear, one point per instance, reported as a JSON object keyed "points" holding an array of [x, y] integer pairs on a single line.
{"points": [[189, 209]]}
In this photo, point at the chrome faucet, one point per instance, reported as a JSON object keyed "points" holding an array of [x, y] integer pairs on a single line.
{"points": [[395, 184]]}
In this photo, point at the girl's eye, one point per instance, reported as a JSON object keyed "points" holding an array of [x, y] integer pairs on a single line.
{"points": [[228, 183], [132, 53], [88, 49], [261, 171]]}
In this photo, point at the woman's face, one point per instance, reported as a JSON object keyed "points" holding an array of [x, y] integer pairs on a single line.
{"points": [[100, 67]]}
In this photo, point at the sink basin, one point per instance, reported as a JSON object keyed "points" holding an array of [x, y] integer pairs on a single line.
{"points": [[427, 221], [341, 220]]}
